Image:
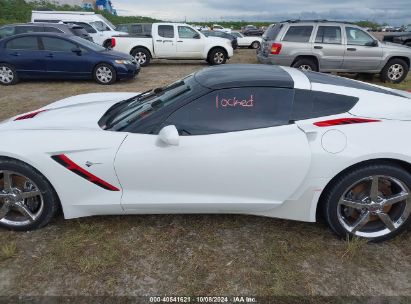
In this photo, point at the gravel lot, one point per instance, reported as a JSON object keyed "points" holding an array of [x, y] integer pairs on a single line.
{"points": [[188, 254]]}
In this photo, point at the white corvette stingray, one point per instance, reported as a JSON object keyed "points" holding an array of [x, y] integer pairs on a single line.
{"points": [[241, 139]]}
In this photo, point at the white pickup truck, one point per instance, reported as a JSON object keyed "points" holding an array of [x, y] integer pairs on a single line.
{"points": [[174, 41]]}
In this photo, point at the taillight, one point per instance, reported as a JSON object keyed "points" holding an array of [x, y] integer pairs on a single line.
{"points": [[29, 115], [113, 42], [343, 121], [276, 48]]}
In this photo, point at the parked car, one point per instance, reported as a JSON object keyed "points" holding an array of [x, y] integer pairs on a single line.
{"points": [[232, 38], [252, 30], [60, 56], [174, 41], [125, 153], [333, 47], [22, 28], [220, 28], [400, 38], [136, 29], [247, 41], [96, 25]]}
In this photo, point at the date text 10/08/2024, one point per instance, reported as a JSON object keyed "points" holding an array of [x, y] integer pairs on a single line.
{"points": [[203, 299], [234, 102]]}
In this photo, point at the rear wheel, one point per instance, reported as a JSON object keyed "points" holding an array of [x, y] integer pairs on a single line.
{"points": [[142, 56], [305, 65], [217, 56], [27, 200], [395, 71], [105, 74], [8, 75], [372, 202]]}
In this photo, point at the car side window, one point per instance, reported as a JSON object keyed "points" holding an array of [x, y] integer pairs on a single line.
{"points": [[356, 36], [137, 29], [186, 32], [122, 28], [87, 27], [235, 109], [57, 44], [298, 34], [23, 43], [328, 35], [166, 31], [6, 31]]}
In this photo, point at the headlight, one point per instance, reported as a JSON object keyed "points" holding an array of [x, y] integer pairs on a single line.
{"points": [[124, 62]]}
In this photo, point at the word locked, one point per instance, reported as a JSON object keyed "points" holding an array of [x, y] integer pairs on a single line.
{"points": [[234, 102]]}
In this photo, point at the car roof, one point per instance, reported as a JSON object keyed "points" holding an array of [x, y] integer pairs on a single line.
{"points": [[240, 75]]}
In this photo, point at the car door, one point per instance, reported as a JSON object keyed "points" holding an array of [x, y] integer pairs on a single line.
{"points": [[329, 48], [62, 61], [237, 152], [164, 39], [24, 54], [361, 53], [190, 44]]}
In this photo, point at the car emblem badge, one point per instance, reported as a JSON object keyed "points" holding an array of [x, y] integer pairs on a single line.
{"points": [[89, 163]]}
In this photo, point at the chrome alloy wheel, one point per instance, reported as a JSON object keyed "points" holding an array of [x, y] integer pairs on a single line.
{"points": [[374, 206], [6, 75], [219, 57], [21, 201], [104, 74], [305, 67], [141, 58], [395, 72]]}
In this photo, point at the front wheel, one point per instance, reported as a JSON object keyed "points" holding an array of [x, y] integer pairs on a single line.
{"points": [[105, 74], [27, 200], [395, 71], [217, 56], [371, 202], [8, 75], [255, 45]]}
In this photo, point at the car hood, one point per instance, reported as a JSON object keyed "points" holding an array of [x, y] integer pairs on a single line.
{"points": [[219, 40], [116, 54], [73, 113], [396, 46]]}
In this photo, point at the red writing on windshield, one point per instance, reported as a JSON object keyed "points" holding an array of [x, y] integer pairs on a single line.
{"points": [[234, 102]]}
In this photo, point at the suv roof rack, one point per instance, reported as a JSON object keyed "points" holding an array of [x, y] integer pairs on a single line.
{"points": [[315, 20]]}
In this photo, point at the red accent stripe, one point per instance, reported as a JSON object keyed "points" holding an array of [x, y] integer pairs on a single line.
{"points": [[72, 166], [343, 121], [29, 115]]}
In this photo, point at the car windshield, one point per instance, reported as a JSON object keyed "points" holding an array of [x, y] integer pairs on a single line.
{"points": [[88, 44], [143, 105]]}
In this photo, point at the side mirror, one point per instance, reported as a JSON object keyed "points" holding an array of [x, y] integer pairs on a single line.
{"points": [[76, 50], [169, 135], [197, 36], [373, 43]]}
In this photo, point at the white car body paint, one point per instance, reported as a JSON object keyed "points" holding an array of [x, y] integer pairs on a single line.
{"points": [[275, 172]]}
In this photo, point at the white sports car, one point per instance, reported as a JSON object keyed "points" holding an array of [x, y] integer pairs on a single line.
{"points": [[241, 139], [253, 42]]}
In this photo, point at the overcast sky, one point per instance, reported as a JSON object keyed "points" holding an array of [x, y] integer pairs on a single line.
{"points": [[395, 12]]}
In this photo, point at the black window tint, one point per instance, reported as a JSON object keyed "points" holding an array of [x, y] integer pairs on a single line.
{"points": [[57, 45], [23, 43], [298, 34], [166, 31], [236, 109], [272, 32], [28, 29], [312, 104], [328, 34], [52, 30]]}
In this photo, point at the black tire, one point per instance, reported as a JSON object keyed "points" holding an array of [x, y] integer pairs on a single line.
{"points": [[408, 44], [217, 56], [104, 74], [142, 56], [330, 200], [107, 44], [49, 197], [255, 45], [305, 64], [390, 73], [7, 71]]}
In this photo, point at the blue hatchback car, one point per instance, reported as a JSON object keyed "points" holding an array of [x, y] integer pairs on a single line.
{"points": [[59, 56]]}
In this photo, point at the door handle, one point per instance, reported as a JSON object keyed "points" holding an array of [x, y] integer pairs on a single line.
{"points": [[351, 49], [179, 41], [167, 41], [318, 47], [159, 40], [50, 56]]}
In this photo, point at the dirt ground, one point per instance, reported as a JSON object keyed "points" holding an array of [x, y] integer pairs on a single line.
{"points": [[188, 254]]}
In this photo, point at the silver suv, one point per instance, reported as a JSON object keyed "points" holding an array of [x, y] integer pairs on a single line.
{"points": [[326, 46]]}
